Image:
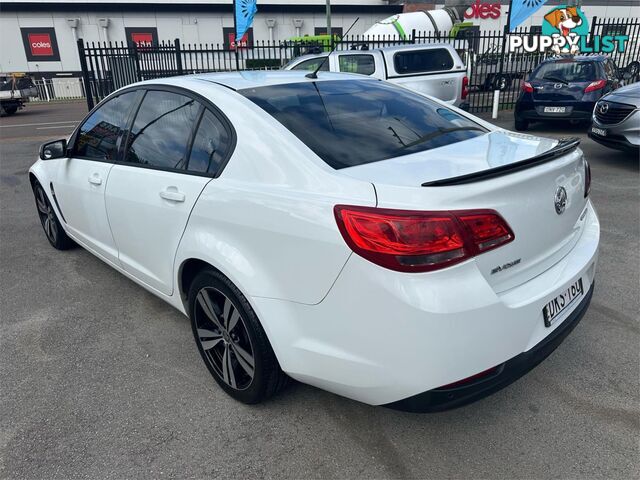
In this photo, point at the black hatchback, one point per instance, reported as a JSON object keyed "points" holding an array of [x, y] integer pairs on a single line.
{"points": [[565, 88]]}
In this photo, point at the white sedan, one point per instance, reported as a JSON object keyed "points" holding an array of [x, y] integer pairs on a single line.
{"points": [[343, 231]]}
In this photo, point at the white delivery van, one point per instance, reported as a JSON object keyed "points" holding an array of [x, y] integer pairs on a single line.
{"points": [[433, 69]]}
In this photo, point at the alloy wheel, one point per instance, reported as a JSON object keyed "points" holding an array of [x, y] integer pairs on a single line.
{"points": [[223, 336], [47, 215]]}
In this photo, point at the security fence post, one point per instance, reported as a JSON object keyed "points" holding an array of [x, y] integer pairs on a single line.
{"points": [[88, 91]]}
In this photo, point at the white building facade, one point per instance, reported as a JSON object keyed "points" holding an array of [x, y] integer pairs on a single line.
{"points": [[39, 36]]}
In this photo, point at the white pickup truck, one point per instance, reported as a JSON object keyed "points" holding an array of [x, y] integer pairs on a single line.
{"points": [[434, 69], [14, 93]]}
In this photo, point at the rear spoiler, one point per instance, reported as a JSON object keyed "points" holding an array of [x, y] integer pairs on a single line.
{"points": [[564, 145]]}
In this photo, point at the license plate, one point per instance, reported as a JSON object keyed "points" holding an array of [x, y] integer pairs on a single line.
{"points": [[555, 109], [555, 307], [599, 131]]}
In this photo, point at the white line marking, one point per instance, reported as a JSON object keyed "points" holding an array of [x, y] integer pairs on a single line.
{"points": [[35, 124], [56, 126]]}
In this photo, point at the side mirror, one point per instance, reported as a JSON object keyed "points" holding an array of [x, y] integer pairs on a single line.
{"points": [[53, 150]]}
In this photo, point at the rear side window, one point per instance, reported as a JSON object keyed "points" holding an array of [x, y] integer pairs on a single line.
{"points": [[210, 145], [362, 64], [423, 61], [98, 136], [359, 121], [312, 64], [162, 130], [567, 71]]}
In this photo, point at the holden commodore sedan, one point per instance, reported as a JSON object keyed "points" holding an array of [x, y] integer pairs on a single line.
{"points": [[339, 230]]}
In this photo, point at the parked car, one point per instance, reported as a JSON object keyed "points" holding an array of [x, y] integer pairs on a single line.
{"points": [[565, 88], [616, 119], [15, 91], [344, 231], [433, 69]]}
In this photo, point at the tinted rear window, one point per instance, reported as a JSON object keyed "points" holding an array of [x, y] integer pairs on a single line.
{"points": [[423, 61], [567, 72], [349, 123]]}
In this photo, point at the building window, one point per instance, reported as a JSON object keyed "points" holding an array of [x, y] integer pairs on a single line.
{"points": [[613, 30], [40, 44], [228, 34], [323, 31], [142, 36]]}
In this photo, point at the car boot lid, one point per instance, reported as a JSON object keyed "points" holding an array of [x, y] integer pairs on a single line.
{"points": [[496, 153]]}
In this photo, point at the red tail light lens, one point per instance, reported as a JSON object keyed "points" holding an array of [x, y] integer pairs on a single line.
{"points": [[527, 87], [415, 241], [465, 87], [488, 230], [587, 179], [597, 85]]}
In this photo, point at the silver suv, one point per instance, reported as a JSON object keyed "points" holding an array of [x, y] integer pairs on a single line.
{"points": [[616, 119]]}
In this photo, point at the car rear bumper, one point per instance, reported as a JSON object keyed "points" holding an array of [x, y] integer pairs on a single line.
{"points": [[574, 111], [384, 337], [503, 375]]}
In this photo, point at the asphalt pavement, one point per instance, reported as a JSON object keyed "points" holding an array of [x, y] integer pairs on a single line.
{"points": [[100, 379]]}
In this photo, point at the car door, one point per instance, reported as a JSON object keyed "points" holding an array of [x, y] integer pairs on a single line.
{"points": [[164, 168], [81, 179]]}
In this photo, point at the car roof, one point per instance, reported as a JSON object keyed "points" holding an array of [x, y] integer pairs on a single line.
{"points": [[577, 58], [264, 78]]}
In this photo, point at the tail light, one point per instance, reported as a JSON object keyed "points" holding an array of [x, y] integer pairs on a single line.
{"points": [[587, 179], [465, 87], [527, 87], [416, 241], [597, 85]]}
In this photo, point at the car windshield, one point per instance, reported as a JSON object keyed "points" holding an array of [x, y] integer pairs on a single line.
{"points": [[566, 72], [350, 123]]}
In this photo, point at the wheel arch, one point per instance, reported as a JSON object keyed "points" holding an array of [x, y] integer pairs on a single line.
{"points": [[188, 270], [33, 179]]}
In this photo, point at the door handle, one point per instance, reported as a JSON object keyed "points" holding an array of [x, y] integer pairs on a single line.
{"points": [[95, 179], [172, 194]]}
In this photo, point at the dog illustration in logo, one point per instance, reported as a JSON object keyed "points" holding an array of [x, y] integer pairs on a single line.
{"points": [[565, 20]]}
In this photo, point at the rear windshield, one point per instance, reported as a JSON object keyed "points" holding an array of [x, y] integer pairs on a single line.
{"points": [[350, 123], [423, 61], [567, 72]]}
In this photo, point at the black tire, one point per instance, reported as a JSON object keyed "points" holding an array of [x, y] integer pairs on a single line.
{"points": [[633, 69], [521, 124], [9, 110], [244, 343], [53, 230], [502, 82]]}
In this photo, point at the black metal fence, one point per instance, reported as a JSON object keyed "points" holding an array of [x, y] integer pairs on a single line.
{"points": [[109, 66]]}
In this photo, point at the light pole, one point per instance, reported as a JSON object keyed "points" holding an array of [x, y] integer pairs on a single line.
{"points": [[329, 20]]}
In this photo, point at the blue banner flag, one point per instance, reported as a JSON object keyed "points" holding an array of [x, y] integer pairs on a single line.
{"points": [[245, 10], [520, 10]]}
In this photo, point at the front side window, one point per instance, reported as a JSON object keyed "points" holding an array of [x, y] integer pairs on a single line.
{"points": [[98, 136], [210, 146], [312, 64], [359, 121], [162, 130], [362, 64], [423, 61]]}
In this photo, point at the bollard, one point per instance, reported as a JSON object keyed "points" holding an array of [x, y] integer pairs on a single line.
{"points": [[496, 101], [46, 89]]}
